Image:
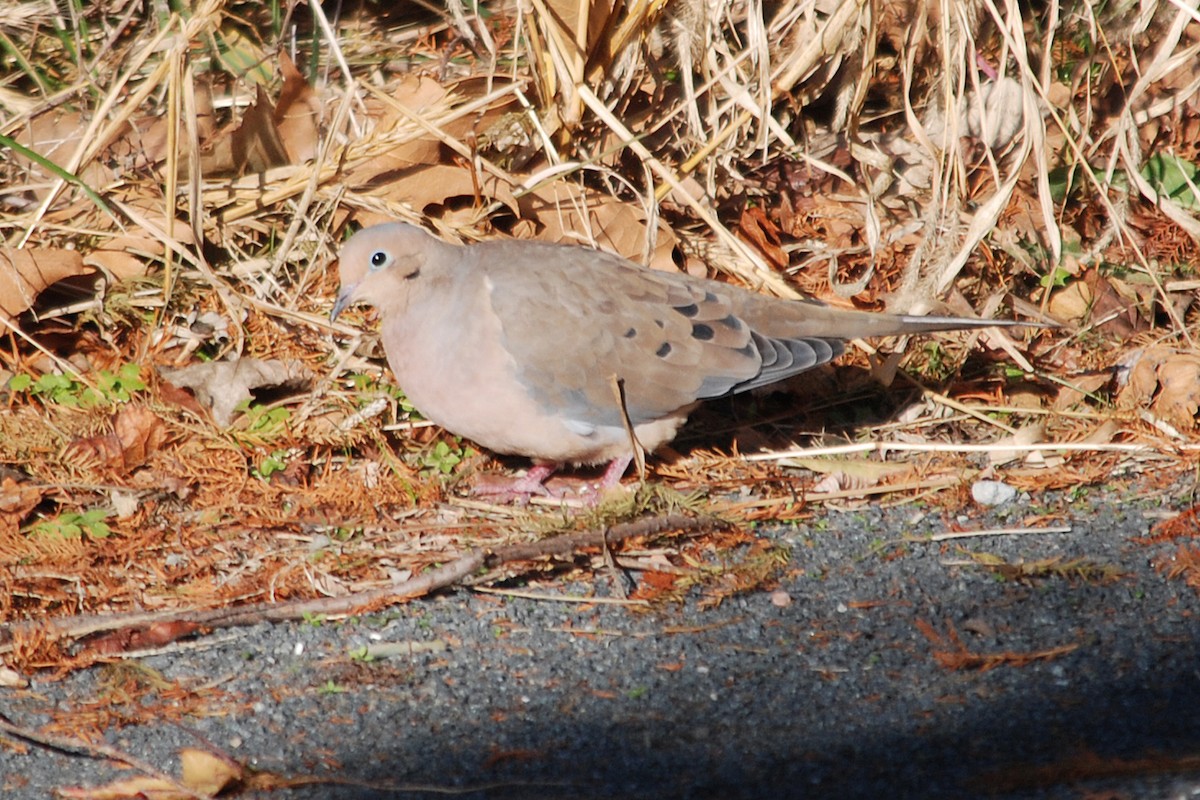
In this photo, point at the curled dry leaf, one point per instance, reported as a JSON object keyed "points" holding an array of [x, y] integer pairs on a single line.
{"points": [[137, 434], [269, 134], [157, 635], [1179, 391], [25, 274], [16, 501], [1111, 305], [755, 227], [1030, 434], [222, 385], [563, 212], [297, 113], [1167, 382], [203, 773]]}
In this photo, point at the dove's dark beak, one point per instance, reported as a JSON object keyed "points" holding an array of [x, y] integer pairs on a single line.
{"points": [[345, 298]]}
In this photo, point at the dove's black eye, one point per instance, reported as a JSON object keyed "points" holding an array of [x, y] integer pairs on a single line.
{"points": [[380, 259]]}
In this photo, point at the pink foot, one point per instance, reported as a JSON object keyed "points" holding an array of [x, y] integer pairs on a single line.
{"points": [[614, 472], [507, 489], [611, 478]]}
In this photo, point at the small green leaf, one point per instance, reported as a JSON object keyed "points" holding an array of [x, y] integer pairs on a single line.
{"points": [[332, 688], [1056, 279], [1173, 177]]}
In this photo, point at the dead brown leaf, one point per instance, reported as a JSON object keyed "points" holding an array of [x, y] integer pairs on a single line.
{"points": [[156, 635], [426, 188], [1179, 391], [1168, 383], [25, 274], [222, 385], [137, 434], [1111, 305], [761, 232], [130, 255], [297, 113], [56, 135], [565, 213], [1078, 388], [203, 773], [16, 501], [253, 147]]}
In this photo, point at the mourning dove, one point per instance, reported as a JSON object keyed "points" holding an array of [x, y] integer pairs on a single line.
{"points": [[516, 345]]}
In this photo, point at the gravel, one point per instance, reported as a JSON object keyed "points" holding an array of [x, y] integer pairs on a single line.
{"points": [[825, 687]]}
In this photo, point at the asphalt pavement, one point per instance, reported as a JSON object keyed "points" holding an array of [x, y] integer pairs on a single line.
{"points": [[871, 670]]}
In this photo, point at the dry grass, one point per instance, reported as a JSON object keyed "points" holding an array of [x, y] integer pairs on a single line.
{"points": [[190, 176]]}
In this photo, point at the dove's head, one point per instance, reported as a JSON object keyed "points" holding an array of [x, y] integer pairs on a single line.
{"points": [[378, 260]]}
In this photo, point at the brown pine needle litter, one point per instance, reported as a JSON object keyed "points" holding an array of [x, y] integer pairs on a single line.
{"points": [[185, 438]]}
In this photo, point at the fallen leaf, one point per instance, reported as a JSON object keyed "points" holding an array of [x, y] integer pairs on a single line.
{"points": [[1078, 388], [56, 135], [253, 147], [1072, 302], [297, 113], [129, 255], [25, 274], [16, 501], [222, 385], [1030, 434], [424, 187], [565, 213], [1179, 391], [1110, 305], [137, 434], [157, 635], [763, 235], [204, 774], [1164, 381]]}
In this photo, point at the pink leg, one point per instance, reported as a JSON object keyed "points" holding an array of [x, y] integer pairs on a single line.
{"points": [[615, 471], [534, 479], [507, 489], [611, 477]]}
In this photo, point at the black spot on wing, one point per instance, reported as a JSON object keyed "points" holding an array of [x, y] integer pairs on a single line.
{"points": [[664, 350], [731, 322], [702, 332]]}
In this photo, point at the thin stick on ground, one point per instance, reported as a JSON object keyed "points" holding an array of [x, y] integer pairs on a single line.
{"points": [[454, 572]]}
